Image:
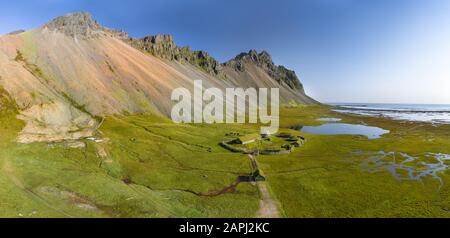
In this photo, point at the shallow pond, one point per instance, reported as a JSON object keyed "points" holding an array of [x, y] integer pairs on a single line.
{"points": [[345, 129], [406, 167]]}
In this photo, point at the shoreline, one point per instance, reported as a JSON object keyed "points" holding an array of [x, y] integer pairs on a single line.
{"points": [[431, 117]]}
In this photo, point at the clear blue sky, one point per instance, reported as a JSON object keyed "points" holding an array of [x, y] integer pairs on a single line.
{"points": [[343, 50]]}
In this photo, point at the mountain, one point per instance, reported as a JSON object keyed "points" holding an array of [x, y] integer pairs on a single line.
{"points": [[69, 73], [246, 70], [257, 70]]}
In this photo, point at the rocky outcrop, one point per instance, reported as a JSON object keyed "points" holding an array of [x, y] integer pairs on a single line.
{"points": [[161, 46], [81, 24], [164, 47], [264, 61]]}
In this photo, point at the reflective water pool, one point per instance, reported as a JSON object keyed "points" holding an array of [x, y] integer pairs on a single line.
{"points": [[406, 167], [346, 129]]}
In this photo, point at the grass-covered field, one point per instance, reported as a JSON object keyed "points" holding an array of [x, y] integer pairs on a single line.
{"points": [[325, 178], [146, 166]]}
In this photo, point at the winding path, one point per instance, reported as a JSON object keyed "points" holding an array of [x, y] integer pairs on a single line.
{"points": [[267, 205]]}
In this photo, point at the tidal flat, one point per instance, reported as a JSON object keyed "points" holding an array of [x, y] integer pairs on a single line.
{"points": [[147, 166]]}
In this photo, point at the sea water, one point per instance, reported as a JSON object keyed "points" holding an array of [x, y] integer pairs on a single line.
{"points": [[434, 113]]}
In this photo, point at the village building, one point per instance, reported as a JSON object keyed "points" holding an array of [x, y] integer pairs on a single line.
{"points": [[284, 135], [248, 139]]}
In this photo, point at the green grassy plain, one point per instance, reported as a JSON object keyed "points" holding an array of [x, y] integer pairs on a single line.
{"points": [[325, 178], [147, 166]]}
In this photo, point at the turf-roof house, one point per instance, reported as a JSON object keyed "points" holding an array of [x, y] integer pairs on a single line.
{"points": [[247, 139]]}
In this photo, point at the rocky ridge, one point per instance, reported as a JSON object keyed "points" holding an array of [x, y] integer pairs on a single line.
{"points": [[264, 60], [163, 46], [82, 25]]}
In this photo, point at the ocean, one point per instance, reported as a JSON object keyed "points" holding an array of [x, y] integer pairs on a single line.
{"points": [[433, 113]]}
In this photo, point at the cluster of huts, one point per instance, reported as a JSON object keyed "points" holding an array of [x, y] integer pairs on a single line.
{"points": [[292, 142]]}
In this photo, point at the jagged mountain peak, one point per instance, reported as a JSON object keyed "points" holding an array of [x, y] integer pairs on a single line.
{"points": [[81, 24], [260, 58], [79, 18], [264, 60]]}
